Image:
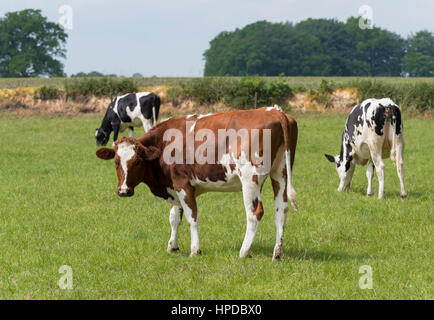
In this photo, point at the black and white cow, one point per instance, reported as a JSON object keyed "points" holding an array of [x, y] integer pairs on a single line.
{"points": [[373, 132], [130, 110]]}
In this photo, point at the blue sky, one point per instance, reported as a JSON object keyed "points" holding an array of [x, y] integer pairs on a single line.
{"points": [[168, 37]]}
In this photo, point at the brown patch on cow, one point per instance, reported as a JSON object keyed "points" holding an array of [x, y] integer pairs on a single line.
{"points": [[276, 187], [258, 210], [255, 178], [232, 166]]}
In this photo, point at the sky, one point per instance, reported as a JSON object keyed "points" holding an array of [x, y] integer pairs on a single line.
{"points": [[167, 38]]}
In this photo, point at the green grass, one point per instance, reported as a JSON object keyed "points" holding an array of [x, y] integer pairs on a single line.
{"points": [[58, 207], [306, 82]]}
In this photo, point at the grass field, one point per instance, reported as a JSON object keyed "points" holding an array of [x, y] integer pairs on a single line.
{"points": [[58, 207], [306, 82]]}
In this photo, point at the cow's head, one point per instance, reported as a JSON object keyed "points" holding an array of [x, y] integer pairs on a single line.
{"points": [[101, 137], [132, 161], [342, 167]]}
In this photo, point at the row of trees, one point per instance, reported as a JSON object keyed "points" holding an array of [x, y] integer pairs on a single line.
{"points": [[319, 47], [31, 46]]}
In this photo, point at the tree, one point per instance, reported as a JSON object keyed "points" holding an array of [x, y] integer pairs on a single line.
{"points": [[419, 59], [378, 52], [30, 44], [137, 75]]}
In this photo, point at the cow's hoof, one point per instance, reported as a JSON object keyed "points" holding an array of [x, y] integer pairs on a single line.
{"points": [[369, 194], [195, 253], [171, 250], [277, 254], [244, 255], [403, 197], [276, 257]]}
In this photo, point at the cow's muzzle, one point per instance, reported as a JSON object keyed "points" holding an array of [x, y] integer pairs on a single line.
{"points": [[125, 192]]}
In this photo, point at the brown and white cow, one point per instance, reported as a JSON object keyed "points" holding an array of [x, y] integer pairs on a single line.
{"points": [[183, 157]]}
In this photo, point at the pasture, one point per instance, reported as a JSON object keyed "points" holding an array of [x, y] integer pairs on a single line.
{"points": [[58, 207]]}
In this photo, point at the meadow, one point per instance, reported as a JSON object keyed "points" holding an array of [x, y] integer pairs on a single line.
{"points": [[58, 207], [300, 81]]}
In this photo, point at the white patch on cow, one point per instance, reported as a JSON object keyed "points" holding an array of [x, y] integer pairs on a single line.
{"points": [[125, 152], [190, 116], [275, 107], [204, 115], [164, 120]]}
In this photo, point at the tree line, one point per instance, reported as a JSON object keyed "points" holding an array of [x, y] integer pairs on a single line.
{"points": [[31, 46], [319, 47]]}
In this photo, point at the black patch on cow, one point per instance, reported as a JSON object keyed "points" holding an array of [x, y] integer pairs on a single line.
{"points": [[348, 163], [355, 119], [147, 103], [367, 106], [129, 101], [396, 119], [366, 111], [379, 118]]}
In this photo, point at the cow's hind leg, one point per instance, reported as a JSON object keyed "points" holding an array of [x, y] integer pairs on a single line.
{"points": [[175, 220], [379, 168], [400, 169], [281, 208], [254, 212], [370, 175], [131, 132]]}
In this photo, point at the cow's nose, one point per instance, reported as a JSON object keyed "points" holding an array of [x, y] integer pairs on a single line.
{"points": [[125, 192]]}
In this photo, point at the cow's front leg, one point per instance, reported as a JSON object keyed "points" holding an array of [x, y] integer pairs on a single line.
{"points": [[188, 202], [370, 175], [254, 213], [131, 132], [116, 129], [175, 220]]}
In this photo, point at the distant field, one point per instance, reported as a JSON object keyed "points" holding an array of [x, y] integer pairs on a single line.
{"points": [[307, 82], [58, 207]]}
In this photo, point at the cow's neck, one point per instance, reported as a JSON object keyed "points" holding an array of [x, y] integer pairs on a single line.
{"points": [[157, 182], [106, 122]]}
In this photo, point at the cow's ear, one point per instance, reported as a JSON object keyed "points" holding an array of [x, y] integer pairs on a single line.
{"points": [[329, 157], [105, 153], [149, 153]]}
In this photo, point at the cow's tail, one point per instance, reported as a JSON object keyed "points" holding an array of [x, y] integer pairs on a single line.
{"points": [[290, 133], [155, 108]]}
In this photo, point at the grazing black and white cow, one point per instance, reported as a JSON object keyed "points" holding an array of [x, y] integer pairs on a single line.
{"points": [[130, 110], [373, 132]]}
